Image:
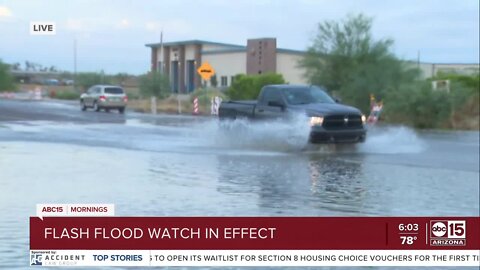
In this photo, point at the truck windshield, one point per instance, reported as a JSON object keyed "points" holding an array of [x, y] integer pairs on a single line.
{"points": [[296, 96]]}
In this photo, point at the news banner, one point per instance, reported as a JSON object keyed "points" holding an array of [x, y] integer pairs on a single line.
{"points": [[91, 235]]}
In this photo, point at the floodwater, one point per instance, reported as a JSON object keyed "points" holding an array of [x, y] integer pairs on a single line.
{"points": [[192, 166]]}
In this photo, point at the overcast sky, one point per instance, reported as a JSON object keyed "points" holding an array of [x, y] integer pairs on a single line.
{"points": [[111, 34]]}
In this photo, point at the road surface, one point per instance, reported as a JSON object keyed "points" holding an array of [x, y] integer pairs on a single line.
{"points": [[167, 165]]}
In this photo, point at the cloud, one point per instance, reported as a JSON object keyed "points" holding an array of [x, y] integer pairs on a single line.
{"points": [[443, 33], [180, 27], [96, 25], [124, 23], [153, 26], [93, 25], [5, 12], [75, 25]]}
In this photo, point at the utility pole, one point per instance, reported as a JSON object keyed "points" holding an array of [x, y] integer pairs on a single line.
{"points": [[161, 53], [75, 64], [153, 99]]}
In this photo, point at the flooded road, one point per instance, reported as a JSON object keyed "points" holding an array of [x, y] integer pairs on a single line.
{"points": [[51, 152]]}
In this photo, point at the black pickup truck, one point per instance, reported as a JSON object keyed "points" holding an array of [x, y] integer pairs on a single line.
{"points": [[330, 121]]}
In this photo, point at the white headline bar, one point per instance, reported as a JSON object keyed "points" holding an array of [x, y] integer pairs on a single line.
{"points": [[75, 210]]}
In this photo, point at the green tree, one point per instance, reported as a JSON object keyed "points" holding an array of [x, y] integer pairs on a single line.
{"points": [[463, 99], [155, 84], [468, 81], [346, 59], [120, 78], [249, 86], [16, 66], [418, 105], [6, 80], [65, 75]]}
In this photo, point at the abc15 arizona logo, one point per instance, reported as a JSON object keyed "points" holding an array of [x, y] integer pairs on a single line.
{"points": [[448, 232]]}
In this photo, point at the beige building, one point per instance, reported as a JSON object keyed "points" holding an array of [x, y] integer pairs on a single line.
{"points": [[429, 70], [180, 61]]}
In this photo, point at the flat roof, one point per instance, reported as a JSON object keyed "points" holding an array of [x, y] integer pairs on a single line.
{"points": [[234, 50], [240, 48], [233, 47], [192, 42], [281, 50], [440, 63]]}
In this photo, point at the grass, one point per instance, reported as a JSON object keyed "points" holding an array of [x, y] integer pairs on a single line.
{"points": [[206, 95], [168, 105], [66, 94], [141, 104]]}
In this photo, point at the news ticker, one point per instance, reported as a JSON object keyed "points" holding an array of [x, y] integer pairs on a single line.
{"points": [[83, 240], [258, 258]]}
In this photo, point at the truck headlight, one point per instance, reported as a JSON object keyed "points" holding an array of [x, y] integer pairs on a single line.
{"points": [[364, 119], [316, 121]]}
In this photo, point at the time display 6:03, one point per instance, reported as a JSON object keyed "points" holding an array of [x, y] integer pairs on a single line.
{"points": [[409, 227]]}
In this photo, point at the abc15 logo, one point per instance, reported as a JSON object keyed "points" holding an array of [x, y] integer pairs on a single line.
{"points": [[452, 229]]}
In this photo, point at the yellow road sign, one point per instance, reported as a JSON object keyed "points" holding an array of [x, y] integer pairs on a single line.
{"points": [[206, 71]]}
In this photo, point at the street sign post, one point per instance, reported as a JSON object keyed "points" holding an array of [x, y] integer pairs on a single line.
{"points": [[206, 72]]}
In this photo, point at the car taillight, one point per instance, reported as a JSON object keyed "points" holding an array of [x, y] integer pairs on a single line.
{"points": [[125, 99], [102, 98]]}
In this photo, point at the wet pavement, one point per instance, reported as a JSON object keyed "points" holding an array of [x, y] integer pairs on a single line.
{"points": [[168, 165]]}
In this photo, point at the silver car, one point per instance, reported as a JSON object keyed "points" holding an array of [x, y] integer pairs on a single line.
{"points": [[104, 97]]}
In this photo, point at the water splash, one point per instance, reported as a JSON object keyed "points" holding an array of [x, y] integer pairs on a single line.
{"points": [[292, 136], [392, 140], [278, 135], [283, 135]]}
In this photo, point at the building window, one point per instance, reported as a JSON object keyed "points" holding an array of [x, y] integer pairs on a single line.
{"points": [[232, 79], [224, 81]]}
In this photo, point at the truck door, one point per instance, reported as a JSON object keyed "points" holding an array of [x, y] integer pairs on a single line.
{"points": [[271, 104]]}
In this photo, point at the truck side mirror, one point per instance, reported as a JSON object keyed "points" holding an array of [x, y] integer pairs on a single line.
{"points": [[337, 100]]}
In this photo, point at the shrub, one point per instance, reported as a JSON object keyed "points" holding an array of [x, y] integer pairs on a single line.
{"points": [[67, 94], [132, 96], [249, 86], [87, 79], [205, 95], [472, 82], [6, 80], [418, 105], [154, 84]]}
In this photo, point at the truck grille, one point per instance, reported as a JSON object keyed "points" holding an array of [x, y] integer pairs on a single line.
{"points": [[349, 121]]}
